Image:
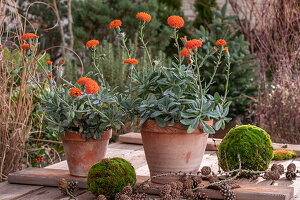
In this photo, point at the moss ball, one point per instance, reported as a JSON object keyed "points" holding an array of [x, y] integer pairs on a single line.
{"points": [[282, 154], [252, 143], [109, 176]]}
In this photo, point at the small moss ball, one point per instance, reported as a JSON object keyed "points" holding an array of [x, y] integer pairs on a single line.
{"points": [[282, 154], [109, 176], [252, 143]]}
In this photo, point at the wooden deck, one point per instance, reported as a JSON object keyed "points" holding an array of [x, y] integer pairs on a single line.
{"points": [[133, 153]]}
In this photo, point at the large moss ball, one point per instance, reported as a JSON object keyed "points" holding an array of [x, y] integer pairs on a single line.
{"points": [[252, 143], [109, 176]]}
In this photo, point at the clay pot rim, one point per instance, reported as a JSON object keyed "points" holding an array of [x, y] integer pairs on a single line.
{"points": [[77, 136], [154, 128]]}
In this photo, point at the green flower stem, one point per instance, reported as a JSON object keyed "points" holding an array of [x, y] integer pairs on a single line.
{"points": [[177, 45], [123, 39], [144, 45], [215, 68], [228, 74], [40, 64], [97, 66]]}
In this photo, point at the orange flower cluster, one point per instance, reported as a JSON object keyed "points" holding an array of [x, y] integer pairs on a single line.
{"points": [[28, 36], [183, 38], [62, 61], [91, 87], [221, 42], [175, 21], [83, 80], [92, 43], [49, 62], [193, 44], [185, 52], [115, 23], [144, 16], [131, 61], [26, 46], [75, 92], [225, 49], [49, 76]]}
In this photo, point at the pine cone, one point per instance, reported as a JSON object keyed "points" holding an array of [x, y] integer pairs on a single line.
{"points": [[63, 185], [274, 167], [188, 193], [173, 185], [167, 197], [291, 167], [127, 190], [164, 190], [179, 185], [175, 194], [188, 184], [101, 197], [290, 175], [274, 175], [205, 170], [139, 196], [200, 196], [226, 191], [123, 197], [72, 187], [145, 187], [212, 179], [280, 168], [198, 179]]}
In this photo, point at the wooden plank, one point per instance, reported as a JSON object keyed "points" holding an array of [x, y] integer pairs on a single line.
{"points": [[44, 176], [13, 191], [245, 192], [212, 143], [50, 177]]}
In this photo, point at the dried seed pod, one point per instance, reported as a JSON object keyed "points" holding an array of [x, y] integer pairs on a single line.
{"points": [[164, 190], [123, 197], [291, 167], [280, 168], [173, 185], [274, 167], [200, 196], [188, 193], [139, 196], [72, 187], [206, 170], [226, 191], [179, 185], [127, 190], [167, 197], [63, 185], [175, 194], [188, 184], [198, 179], [290, 175], [145, 187]]}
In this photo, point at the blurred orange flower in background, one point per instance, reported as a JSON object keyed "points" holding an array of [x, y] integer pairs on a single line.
{"points": [[83, 80], [131, 61], [193, 44], [144, 16], [185, 52], [28, 36], [175, 21], [49, 76], [115, 23], [62, 61], [49, 62], [221, 42], [92, 43]]}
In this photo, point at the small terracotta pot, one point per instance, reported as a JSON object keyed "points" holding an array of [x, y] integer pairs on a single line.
{"points": [[172, 149], [82, 155]]}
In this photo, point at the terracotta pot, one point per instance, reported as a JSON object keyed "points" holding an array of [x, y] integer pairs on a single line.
{"points": [[172, 149], [81, 155]]}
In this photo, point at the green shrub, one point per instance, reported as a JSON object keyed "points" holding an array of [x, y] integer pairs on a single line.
{"points": [[253, 145], [204, 13], [282, 154], [242, 82], [109, 176]]}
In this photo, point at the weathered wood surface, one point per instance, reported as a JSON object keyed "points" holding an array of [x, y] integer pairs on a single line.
{"points": [[135, 154], [212, 143]]}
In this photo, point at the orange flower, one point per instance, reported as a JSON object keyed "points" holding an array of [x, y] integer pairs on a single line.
{"points": [[225, 49], [49, 76], [62, 61], [92, 43], [221, 42], [185, 52], [83, 80], [183, 38], [26, 46], [175, 21], [215, 48], [28, 36], [131, 61], [91, 86], [75, 92], [49, 62], [144, 16], [115, 23], [193, 44]]}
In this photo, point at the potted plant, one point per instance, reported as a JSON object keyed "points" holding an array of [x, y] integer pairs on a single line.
{"points": [[175, 110], [83, 113]]}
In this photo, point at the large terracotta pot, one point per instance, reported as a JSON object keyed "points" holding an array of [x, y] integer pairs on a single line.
{"points": [[172, 149], [82, 155]]}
